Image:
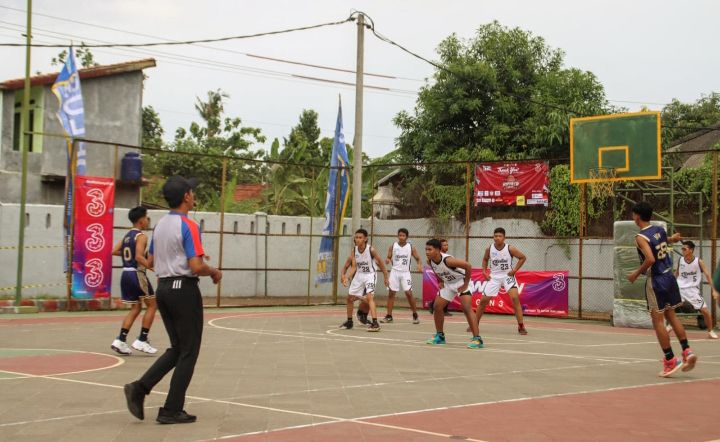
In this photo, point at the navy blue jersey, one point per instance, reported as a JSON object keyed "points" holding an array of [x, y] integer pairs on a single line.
{"points": [[657, 238], [128, 249]]}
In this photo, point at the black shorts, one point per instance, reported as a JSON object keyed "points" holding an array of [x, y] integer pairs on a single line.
{"points": [[662, 292], [134, 285]]}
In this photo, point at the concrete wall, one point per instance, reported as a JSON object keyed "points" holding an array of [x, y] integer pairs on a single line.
{"points": [[113, 112], [247, 249]]}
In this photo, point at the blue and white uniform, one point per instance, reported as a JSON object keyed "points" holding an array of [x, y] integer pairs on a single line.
{"points": [[500, 264], [452, 277], [400, 276], [365, 278], [661, 288], [134, 283]]}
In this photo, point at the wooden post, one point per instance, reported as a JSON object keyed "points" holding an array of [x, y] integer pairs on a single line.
{"points": [[468, 183], [714, 226]]}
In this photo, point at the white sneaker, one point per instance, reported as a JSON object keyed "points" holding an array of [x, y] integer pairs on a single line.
{"points": [[712, 335], [669, 328], [144, 346], [121, 347]]}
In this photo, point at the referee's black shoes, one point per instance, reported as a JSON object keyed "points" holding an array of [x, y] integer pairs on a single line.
{"points": [[166, 416], [135, 399]]}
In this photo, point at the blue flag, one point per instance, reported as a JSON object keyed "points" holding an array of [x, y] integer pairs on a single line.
{"points": [[71, 113], [338, 165]]}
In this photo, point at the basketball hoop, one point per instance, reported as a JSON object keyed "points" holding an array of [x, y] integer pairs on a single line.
{"points": [[603, 186]]}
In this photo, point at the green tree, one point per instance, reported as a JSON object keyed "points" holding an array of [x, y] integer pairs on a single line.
{"points": [[152, 130], [680, 119], [215, 135], [82, 54]]}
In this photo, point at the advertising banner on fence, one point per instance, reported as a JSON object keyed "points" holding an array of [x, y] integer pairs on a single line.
{"points": [[541, 293], [93, 236], [512, 184]]}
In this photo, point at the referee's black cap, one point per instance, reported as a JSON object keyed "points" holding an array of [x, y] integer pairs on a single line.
{"points": [[176, 187]]}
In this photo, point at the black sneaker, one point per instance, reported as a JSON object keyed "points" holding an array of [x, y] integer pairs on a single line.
{"points": [[347, 325], [374, 327], [135, 399], [362, 317], [416, 319], [387, 319], [447, 313], [166, 416]]}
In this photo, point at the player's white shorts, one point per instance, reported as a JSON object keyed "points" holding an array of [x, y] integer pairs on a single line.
{"points": [[492, 287], [362, 284], [450, 290], [400, 281], [693, 296]]}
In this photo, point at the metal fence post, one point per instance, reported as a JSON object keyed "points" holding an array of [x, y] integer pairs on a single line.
{"points": [[222, 227], [714, 226], [468, 183]]}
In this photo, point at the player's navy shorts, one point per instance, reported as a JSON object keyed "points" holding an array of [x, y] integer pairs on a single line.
{"points": [[662, 292], [134, 285]]}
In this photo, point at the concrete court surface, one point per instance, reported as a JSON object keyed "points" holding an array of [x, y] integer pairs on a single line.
{"points": [[289, 374]]}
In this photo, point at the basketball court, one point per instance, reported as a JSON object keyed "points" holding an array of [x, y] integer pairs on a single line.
{"points": [[287, 374]]}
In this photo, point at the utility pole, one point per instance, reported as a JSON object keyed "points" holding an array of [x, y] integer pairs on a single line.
{"points": [[24, 147], [357, 140]]}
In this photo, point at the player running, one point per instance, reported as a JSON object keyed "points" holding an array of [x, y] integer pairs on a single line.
{"points": [[661, 287], [454, 274], [399, 255], [501, 274], [135, 287]]}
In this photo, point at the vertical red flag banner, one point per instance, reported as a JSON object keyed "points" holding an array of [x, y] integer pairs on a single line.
{"points": [[93, 235], [512, 184]]}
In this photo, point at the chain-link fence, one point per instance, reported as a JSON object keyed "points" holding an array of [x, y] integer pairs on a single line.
{"points": [[262, 222]]}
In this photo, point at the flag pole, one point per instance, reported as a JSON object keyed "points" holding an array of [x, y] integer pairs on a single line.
{"points": [[25, 146]]}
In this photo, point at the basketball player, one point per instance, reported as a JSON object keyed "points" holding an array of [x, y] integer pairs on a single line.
{"points": [[135, 287], [399, 255], [689, 277], [661, 287], [363, 308], [501, 273], [364, 257], [455, 276]]}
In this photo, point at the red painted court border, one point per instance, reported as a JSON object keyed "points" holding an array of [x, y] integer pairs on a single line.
{"points": [[63, 362], [658, 412]]}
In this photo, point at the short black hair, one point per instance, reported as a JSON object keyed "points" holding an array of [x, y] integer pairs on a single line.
{"points": [[136, 213], [442, 240], [403, 230], [363, 231], [689, 244], [433, 243], [499, 230], [644, 210], [175, 188]]}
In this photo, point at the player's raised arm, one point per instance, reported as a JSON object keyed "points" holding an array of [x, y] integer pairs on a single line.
{"points": [[416, 255], [520, 256], [676, 237]]}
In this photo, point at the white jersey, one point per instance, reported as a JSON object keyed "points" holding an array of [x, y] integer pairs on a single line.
{"points": [[364, 260], [446, 273], [401, 257], [500, 261], [689, 275]]}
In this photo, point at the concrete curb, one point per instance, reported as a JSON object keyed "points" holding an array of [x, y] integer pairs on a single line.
{"points": [[61, 305]]}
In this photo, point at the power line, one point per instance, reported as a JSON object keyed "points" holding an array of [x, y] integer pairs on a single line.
{"points": [[262, 57]]}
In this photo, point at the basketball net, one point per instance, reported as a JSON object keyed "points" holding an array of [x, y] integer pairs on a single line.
{"points": [[603, 187]]}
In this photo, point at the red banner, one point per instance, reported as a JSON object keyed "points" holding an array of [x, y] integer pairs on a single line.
{"points": [[93, 236], [508, 184]]}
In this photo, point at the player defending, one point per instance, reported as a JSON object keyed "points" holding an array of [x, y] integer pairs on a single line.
{"points": [[501, 273], [454, 274], [689, 277], [400, 278], [661, 287], [364, 257], [135, 287]]}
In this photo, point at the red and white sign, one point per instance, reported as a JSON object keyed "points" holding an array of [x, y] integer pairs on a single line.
{"points": [[508, 184], [93, 235]]}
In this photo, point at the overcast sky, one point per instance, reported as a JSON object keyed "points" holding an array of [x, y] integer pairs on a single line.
{"points": [[643, 52]]}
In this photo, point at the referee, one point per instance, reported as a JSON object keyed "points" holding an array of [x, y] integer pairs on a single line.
{"points": [[176, 252]]}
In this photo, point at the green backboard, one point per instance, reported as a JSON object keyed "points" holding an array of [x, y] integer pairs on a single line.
{"points": [[628, 144]]}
